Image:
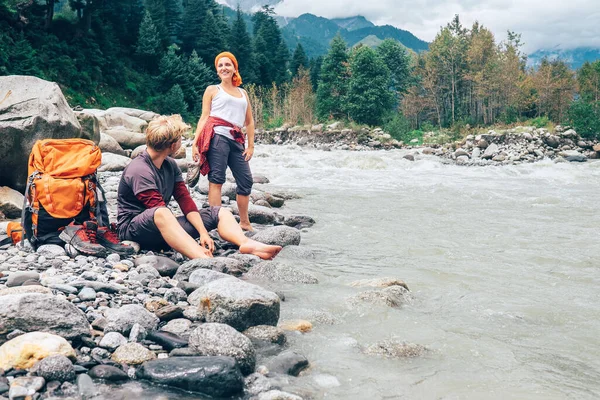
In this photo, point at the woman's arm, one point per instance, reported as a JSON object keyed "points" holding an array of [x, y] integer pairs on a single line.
{"points": [[249, 124], [206, 104]]}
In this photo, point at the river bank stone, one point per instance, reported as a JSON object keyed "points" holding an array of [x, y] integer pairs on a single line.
{"points": [[279, 236], [108, 373], [32, 312], [214, 376], [123, 319], [395, 349], [288, 362], [380, 283], [392, 296], [236, 303], [212, 339], [280, 272], [55, 368], [277, 395], [202, 276], [25, 350], [164, 265], [132, 354], [224, 265], [267, 333]]}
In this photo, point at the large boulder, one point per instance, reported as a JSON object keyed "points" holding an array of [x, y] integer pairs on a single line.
{"points": [[126, 138], [223, 340], [90, 126], [11, 202], [113, 118], [214, 376], [134, 112], [31, 109], [220, 264], [280, 235], [113, 162], [108, 144], [236, 303], [27, 349], [32, 312]]}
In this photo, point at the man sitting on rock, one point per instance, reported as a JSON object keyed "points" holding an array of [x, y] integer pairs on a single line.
{"points": [[146, 187]]}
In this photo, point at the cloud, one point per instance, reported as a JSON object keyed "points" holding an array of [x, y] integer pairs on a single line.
{"points": [[547, 24]]}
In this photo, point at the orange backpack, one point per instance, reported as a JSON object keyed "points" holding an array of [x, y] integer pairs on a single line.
{"points": [[62, 187]]}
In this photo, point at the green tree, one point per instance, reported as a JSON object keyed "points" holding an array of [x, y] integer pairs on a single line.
{"points": [[585, 118], [369, 98], [172, 69], [157, 11], [333, 82], [588, 81], [315, 71], [299, 59], [198, 77], [213, 38], [174, 19], [173, 102], [267, 41], [194, 17], [148, 46], [240, 44], [397, 60]]}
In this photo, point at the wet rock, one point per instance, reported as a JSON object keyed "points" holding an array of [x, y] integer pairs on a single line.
{"points": [[259, 178], [296, 325], [380, 283], [167, 340], [288, 362], [396, 349], [212, 339], [55, 368], [24, 386], [41, 312], [280, 272], [108, 373], [87, 294], [214, 376], [112, 340], [258, 214], [248, 260], [277, 395], [267, 333], [278, 235], [183, 352], [219, 264], [86, 387], [25, 350], [256, 383], [169, 312], [178, 326], [236, 303], [393, 296], [132, 354], [299, 221], [113, 162], [123, 319]]}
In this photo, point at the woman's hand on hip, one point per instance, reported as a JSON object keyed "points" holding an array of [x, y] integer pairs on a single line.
{"points": [[248, 153]]}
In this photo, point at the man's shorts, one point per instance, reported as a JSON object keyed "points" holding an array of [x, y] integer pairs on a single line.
{"points": [[144, 231]]}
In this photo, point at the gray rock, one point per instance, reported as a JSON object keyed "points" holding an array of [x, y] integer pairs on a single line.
{"points": [[138, 150], [213, 376], [99, 286], [164, 265], [55, 368], [277, 395], [87, 294], [112, 340], [32, 109], [278, 235], [19, 277], [123, 319], [86, 387], [202, 276], [175, 295], [132, 354], [108, 144], [236, 303], [299, 221], [51, 251], [396, 349], [259, 178], [212, 339], [258, 214], [68, 289], [32, 312], [280, 272], [25, 384], [266, 333], [11, 202], [178, 326], [113, 162], [288, 362], [392, 296], [127, 139], [248, 260], [490, 151], [138, 333], [219, 264], [90, 126]]}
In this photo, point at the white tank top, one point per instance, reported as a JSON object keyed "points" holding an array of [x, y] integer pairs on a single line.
{"points": [[231, 109]]}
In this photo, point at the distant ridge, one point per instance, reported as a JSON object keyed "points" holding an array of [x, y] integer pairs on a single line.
{"points": [[574, 57]]}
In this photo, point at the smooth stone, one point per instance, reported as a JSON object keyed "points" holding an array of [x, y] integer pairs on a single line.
{"points": [[183, 352], [395, 349], [122, 320], [138, 333], [279, 236], [277, 395], [132, 354], [41, 312], [87, 294], [236, 303], [164, 265], [31, 384], [25, 289], [267, 333], [219, 264], [108, 373], [68, 289], [212, 339], [177, 326], [51, 250], [167, 340], [214, 376], [86, 387], [392, 296], [288, 362], [99, 286], [112, 340], [299, 221], [25, 350], [55, 368], [280, 272], [296, 325], [201, 277], [169, 312], [19, 277]]}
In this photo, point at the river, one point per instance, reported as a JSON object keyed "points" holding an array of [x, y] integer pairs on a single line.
{"points": [[502, 263]]}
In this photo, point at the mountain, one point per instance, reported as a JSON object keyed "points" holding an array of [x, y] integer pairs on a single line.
{"points": [[574, 57], [353, 23]]}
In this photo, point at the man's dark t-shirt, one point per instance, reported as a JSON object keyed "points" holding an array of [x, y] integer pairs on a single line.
{"points": [[141, 175]]}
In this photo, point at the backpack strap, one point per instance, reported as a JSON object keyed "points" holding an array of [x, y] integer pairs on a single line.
{"points": [[27, 206]]}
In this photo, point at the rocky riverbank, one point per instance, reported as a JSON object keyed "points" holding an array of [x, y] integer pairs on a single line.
{"points": [[522, 144]]}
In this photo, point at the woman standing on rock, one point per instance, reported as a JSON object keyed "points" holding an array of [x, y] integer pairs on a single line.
{"points": [[219, 141]]}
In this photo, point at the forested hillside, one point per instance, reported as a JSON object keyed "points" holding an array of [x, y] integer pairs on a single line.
{"points": [[159, 55]]}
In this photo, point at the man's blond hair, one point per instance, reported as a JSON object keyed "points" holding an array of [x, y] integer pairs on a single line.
{"points": [[163, 131]]}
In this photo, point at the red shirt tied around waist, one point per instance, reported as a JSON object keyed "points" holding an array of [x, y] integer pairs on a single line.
{"points": [[208, 133]]}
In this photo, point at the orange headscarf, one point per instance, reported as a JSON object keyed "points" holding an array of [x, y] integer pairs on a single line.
{"points": [[237, 78]]}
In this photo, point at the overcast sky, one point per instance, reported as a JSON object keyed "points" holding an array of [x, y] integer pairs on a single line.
{"points": [[543, 23]]}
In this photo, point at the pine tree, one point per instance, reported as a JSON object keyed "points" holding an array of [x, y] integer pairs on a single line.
{"points": [[174, 20], [315, 71], [397, 60], [212, 39], [173, 102], [198, 77], [369, 98], [267, 40], [333, 82], [172, 69], [148, 46], [157, 11], [193, 20], [240, 44], [298, 59]]}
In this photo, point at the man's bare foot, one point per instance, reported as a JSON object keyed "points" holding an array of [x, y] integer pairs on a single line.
{"points": [[264, 251], [246, 226]]}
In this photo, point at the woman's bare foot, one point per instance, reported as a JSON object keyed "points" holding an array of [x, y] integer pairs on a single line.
{"points": [[246, 226], [264, 251]]}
